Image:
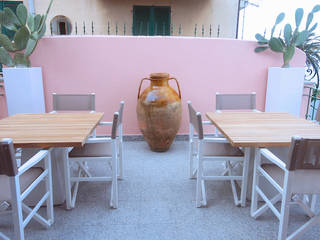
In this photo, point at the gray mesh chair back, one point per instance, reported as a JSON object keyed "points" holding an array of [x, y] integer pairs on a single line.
{"points": [[196, 120], [73, 102], [8, 164], [304, 154], [235, 101]]}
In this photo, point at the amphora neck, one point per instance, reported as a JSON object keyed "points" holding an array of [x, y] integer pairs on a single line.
{"points": [[159, 79]]}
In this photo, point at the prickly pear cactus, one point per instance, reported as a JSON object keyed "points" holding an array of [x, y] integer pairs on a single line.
{"points": [[28, 30], [291, 39]]}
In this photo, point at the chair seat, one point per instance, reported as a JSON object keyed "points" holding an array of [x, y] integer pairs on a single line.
{"points": [[304, 181], [92, 150], [221, 149], [25, 180]]}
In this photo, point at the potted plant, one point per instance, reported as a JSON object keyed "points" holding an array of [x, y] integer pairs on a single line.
{"points": [[285, 84], [312, 50], [23, 83]]}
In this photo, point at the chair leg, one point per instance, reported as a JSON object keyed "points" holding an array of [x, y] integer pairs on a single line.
{"points": [[304, 204], [16, 207], [67, 182], [198, 189], [204, 193], [120, 160], [245, 173], [191, 150], [50, 215], [304, 228], [255, 182], [114, 188], [199, 195], [313, 202], [120, 139], [285, 207], [74, 193], [2, 236], [233, 184]]}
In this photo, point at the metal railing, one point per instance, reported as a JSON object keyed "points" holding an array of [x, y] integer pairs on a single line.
{"points": [[313, 96], [144, 29]]}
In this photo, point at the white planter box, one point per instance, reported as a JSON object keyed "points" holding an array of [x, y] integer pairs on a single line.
{"points": [[284, 90], [24, 90]]}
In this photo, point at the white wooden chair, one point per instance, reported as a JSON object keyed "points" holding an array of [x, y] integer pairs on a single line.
{"points": [[119, 139], [17, 182], [96, 149], [86, 102], [223, 102], [300, 176], [215, 149]]}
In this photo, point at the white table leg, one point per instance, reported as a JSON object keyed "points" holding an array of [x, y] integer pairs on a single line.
{"points": [[244, 184], [249, 155], [67, 184]]}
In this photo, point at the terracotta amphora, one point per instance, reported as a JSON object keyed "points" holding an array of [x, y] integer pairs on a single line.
{"points": [[159, 111]]}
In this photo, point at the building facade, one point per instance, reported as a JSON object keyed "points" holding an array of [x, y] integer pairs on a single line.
{"points": [[141, 17]]}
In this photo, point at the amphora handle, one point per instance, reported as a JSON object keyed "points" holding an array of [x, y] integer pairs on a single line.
{"points": [[141, 85], [177, 85]]}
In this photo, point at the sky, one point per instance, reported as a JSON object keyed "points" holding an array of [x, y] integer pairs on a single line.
{"points": [[257, 19]]}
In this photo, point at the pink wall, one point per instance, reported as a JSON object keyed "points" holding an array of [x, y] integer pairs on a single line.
{"points": [[112, 67]]}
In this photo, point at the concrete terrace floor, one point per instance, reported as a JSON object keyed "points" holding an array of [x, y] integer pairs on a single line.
{"points": [[157, 202]]}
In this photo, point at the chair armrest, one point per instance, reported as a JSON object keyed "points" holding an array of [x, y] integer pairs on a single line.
{"points": [[216, 139], [33, 161], [207, 123], [98, 140], [273, 158], [105, 123]]}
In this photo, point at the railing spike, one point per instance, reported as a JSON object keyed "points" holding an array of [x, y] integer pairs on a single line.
{"points": [[92, 28]]}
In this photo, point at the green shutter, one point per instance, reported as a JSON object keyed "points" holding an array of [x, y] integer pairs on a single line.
{"points": [[162, 20], [151, 20], [141, 20]]}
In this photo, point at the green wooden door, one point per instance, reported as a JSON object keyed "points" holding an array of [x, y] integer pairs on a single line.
{"points": [[151, 20], [13, 7]]}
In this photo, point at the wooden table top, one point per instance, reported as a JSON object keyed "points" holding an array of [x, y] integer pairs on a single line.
{"points": [[251, 129], [49, 130]]}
